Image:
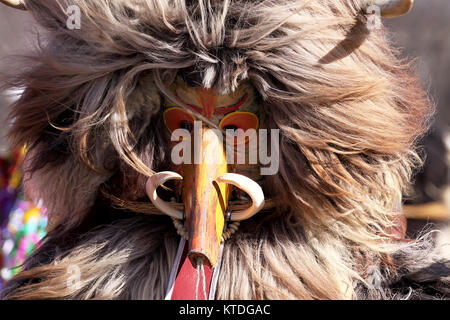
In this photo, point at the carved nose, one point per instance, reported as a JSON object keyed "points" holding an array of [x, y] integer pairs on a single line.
{"points": [[206, 190], [204, 199]]}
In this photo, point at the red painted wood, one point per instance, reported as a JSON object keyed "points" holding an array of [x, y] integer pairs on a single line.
{"points": [[186, 280]]}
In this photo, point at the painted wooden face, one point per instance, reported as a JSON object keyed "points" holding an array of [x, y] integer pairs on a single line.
{"points": [[205, 198], [240, 109]]}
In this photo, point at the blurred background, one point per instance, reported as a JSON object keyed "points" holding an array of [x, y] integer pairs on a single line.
{"points": [[423, 34], [17, 33]]}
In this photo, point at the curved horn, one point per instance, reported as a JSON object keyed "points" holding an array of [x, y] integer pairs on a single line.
{"points": [[251, 188], [153, 183], [393, 8], [18, 4]]}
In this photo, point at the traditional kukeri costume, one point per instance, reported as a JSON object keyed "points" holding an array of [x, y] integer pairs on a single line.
{"points": [[126, 119]]}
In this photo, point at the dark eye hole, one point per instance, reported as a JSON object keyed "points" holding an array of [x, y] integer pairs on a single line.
{"points": [[186, 125], [230, 127]]}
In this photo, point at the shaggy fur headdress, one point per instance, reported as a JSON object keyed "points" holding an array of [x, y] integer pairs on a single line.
{"points": [[349, 112]]}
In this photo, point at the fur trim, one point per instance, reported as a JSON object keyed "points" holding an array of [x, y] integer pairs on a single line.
{"points": [[132, 258]]}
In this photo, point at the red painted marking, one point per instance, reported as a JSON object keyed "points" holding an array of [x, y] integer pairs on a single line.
{"points": [[191, 106], [208, 101], [225, 110]]}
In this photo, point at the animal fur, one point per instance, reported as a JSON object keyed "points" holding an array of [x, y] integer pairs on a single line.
{"points": [[349, 112]]}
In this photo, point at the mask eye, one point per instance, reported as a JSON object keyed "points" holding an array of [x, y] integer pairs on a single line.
{"points": [[178, 118], [240, 120]]}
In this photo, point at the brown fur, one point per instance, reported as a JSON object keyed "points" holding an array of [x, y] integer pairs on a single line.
{"points": [[349, 111]]}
